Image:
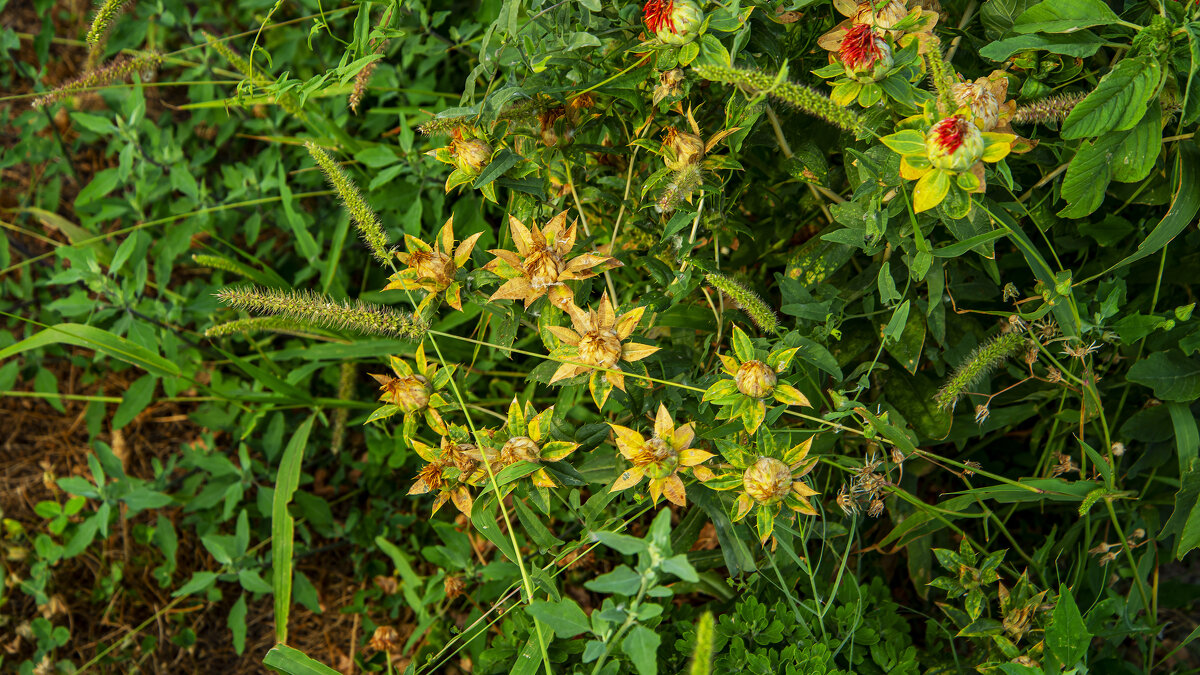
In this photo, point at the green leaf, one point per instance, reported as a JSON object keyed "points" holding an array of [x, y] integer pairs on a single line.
{"points": [[136, 398], [1187, 438], [1088, 175], [505, 160], [101, 184], [237, 624], [641, 645], [906, 349], [623, 543], [1118, 102], [907, 142], [564, 617], [199, 582], [1080, 45], [1136, 156], [742, 346], [1067, 638], [102, 341], [295, 662], [1184, 205], [1064, 16], [283, 525], [1184, 523], [621, 580], [1172, 376]]}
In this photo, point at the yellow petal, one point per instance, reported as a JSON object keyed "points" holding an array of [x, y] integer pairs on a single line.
{"points": [[566, 370], [462, 500], [636, 351], [513, 289], [520, 235], [628, 321], [743, 504], [565, 334], [656, 485], [673, 490], [616, 379], [543, 479], [629, 442], [684, 436], [692, 457], [664, 426], [628, 479]]}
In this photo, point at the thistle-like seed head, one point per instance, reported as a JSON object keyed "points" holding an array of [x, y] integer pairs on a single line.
{"points": [[600, 348], [685, 149], [472, 155], [954, 143], [756, 379], [980, 97], [520, 448], [410, 393], [768, 480]]}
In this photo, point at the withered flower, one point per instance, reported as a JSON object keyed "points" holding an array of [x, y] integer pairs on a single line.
{"points": [[526, 438], [413, 392], [661, 458], [899, 18], [385, 639], [451, 469], [432, 268], [540, 262]]}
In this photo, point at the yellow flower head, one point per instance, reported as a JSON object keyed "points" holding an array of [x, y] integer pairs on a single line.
{"points": [[540, 262], [413, 392], [661, 458], [768, 479], [432, 268]]}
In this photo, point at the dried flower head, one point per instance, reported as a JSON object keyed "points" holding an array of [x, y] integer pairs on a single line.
{"points": [[751, 382], [541, 262], [669, 85], [433, 268], [454, 587], [660, 458], [897, 18], [413, 392], [450, 470], [385, 639]]}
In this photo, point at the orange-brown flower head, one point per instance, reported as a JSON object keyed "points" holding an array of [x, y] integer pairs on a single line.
{"points": [[541, 262], [668, 84], [954, 143], [683, 149], [385, 639], [598, 339], [865, 55], [409, 393], [454, 587], [987, 98], [756, 379], [432, 268], [768, 480], [429, 478]]}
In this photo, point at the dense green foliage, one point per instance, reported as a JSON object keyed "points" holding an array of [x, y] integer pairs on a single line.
{"points": [[769, 337]]}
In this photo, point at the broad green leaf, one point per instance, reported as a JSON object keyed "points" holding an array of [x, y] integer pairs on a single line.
{"points": [[1088, 175], [1081, 44], [998, 16], [622, 543], [907, 142], [564, 617], [1067, 638], [295, 662], [907, 346], [134, 401], [505, 160], [1064, 16], [1172, 376], [200, 581], [912, 396], [1136, 156], [283, 525], [621, 580], [1118, 102], [1184, 523], [100, 340], [641, 645], [1184, 205]]}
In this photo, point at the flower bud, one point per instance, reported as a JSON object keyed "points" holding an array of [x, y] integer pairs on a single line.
{"points": [[409, 393], [756, 379], [674, 22], [954, 143], [865, 55], [600, 348], [385, 639], [768, 480], [684, 149], [472, 155]]}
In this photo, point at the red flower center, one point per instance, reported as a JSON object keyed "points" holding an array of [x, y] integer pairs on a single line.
{"points": [[860, 48], [950, 132], [657, 14]]}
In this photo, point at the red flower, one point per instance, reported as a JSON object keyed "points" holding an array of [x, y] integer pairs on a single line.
{"points": [[861, 47], [950, 132], [657, 14]]}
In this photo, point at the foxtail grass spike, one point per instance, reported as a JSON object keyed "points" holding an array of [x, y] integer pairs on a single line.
{"points": [[942, 77], [320, 310], [523, 112], [982, 361], [364, 75], [117, 69], [747, 300], [1052, 109], [685, 181], [798, 95], [365, 220], [345, 393], [254, 324], [97, 36], [702, 656]]}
